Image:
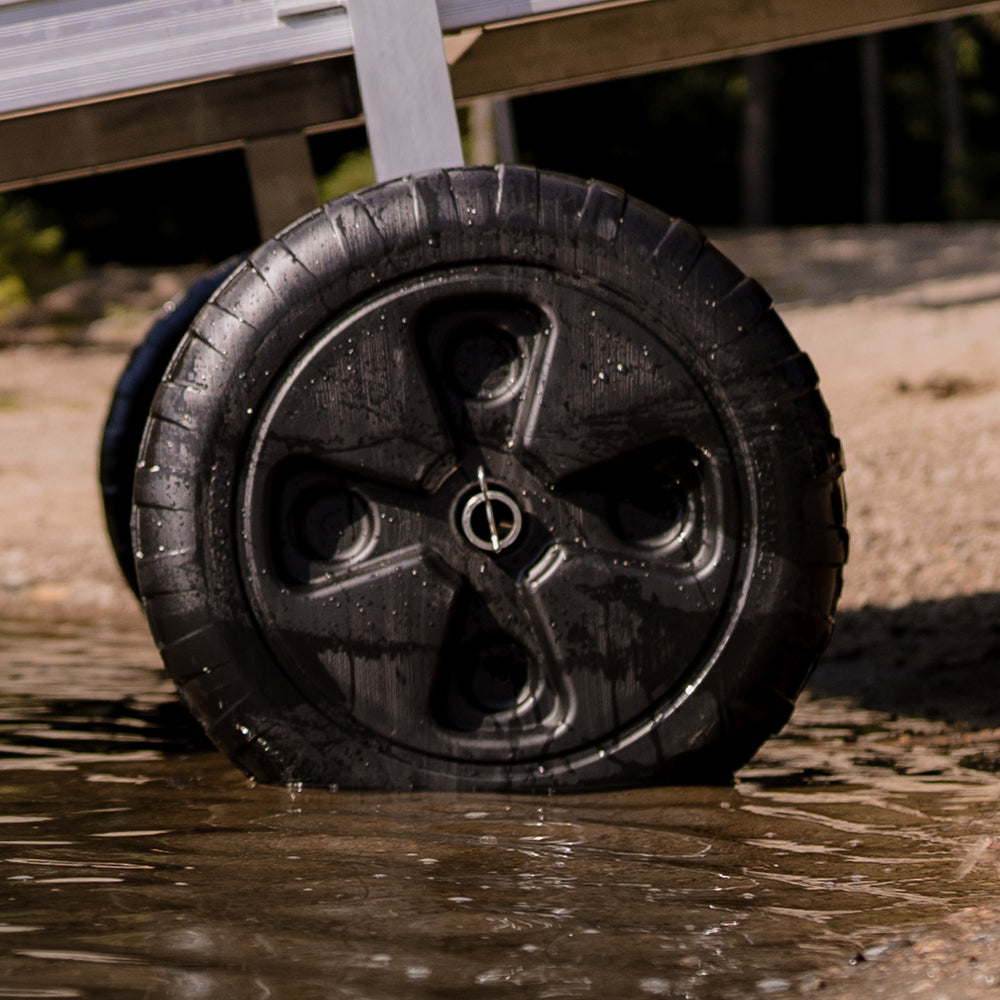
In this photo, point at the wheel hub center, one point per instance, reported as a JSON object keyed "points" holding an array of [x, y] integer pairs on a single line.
{"points": [[491, 519]]}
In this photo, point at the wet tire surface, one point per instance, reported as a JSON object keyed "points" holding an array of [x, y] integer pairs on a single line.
{"points": [[489, 479]]}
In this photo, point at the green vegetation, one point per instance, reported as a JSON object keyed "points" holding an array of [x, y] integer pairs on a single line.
{"points": [[353, 171], [33, 257]]}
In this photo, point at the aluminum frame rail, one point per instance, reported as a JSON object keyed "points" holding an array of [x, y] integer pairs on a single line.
{"points": [[59, 52], [94, 85]]}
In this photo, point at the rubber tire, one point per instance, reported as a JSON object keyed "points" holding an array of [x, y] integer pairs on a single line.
{"points": [[186, 525], [129, 409]]}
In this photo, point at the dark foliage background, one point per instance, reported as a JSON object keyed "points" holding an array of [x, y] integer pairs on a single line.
{"points": [[675, 139]]}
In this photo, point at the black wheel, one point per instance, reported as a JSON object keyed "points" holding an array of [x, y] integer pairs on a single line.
{"points": [[489, 479], [130, 407]]}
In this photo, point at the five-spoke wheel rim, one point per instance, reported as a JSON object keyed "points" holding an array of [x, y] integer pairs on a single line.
{"points": [[494, 516]]}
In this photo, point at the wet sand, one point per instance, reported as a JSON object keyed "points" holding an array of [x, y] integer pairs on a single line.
{"points": [[901, 324]]}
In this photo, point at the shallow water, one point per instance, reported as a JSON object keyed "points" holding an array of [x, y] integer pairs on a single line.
{"points": [[136, 862]]}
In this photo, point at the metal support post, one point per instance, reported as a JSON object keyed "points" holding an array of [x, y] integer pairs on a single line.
{"points": [[405, 87]]}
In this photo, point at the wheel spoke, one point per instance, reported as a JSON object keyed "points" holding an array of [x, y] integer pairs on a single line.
{"points": [[626, 633], [484, 352], [498, 687], [369, 641], [315, 526], [616, 389], [666, 502], [360, 399], [416, 652]]}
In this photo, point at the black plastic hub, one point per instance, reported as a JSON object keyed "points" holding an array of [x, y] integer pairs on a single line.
{"points": [[490, 518], [444, 524]]}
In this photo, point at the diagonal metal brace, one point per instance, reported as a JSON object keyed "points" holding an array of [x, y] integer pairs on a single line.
{"points": [[405, 87]]}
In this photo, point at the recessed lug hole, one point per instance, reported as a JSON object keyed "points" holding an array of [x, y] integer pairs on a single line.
{"points": [[653, 510], [494, 675], [484, 360], [331, 523], [648, 521]]}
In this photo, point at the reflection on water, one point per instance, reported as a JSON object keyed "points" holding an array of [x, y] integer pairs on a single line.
{"points": [[138, 863]]}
